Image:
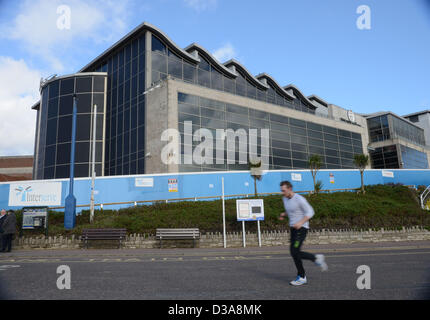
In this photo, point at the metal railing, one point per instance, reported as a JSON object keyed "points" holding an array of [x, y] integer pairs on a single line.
{"points": [[247, 195], [423, 196]]}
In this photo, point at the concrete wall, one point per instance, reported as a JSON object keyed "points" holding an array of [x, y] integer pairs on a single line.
{"points": [[191, 185], [234, 240]]}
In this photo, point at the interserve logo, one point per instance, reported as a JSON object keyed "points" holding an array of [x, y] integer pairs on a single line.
{"points": [[27, 195]]}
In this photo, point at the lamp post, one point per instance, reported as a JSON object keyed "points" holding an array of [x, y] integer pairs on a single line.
{"points": [[70, 202], [93, 164]]}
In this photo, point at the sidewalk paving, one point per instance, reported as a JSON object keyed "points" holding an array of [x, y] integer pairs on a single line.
{"points": [[324, 248]]}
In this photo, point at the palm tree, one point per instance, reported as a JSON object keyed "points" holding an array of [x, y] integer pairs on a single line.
{"points": [[255, 168], [361, 161], [315, 164]]}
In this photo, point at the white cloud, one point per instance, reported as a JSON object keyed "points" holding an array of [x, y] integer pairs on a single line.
{"points": [[36, 27], [201, 5], [18, 91], [225, 53]]}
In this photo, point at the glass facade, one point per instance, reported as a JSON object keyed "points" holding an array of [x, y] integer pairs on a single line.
{"points": [[165, 62], [387, 126], [404, 129], [125, 121], [413, 159], [291, 140], [55, 126], [385, 158], [378, 128]]}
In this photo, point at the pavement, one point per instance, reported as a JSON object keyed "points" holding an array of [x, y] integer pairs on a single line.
{"points": [[398, 270]]}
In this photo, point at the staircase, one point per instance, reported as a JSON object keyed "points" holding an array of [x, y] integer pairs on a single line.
{"points": [[425, 199]]}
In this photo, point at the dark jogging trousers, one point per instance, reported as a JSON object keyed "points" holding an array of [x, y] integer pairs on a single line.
{"points": [[297, 238]]}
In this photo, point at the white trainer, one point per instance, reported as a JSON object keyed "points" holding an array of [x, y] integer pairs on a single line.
{"points": [[299, 281], [320, 261]]}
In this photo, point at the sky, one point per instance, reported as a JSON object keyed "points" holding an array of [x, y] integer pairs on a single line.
{"points": [[313, 44]]}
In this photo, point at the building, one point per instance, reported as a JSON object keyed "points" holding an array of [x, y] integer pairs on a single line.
{"points": [[16, 168], [145, 84], [396, 142], [422, 120]]}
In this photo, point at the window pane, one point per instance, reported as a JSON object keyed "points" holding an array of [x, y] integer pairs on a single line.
{"points": [[157, 45], [64, 129], [84, 84]]}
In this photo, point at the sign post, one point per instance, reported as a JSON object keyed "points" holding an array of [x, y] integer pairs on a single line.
{"points": [[243, 234], [93, 164], [250, 210], [70, 202], [223, 215]]}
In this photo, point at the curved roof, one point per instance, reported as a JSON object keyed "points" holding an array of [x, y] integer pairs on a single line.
{"points": [[318, 99], [245, 72], [300, 94], [145, 26], [187, 55], [226, 71], [274, 84]]}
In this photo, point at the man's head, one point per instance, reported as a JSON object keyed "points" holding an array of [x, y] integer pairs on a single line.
{"points": [[3, 212], [287, 189]]}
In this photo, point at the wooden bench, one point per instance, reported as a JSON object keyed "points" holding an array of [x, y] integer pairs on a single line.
{"points": [[103, 234], [177, 234]]}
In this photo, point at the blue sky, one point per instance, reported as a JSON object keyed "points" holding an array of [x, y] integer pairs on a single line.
{"points": [[313, 44]]}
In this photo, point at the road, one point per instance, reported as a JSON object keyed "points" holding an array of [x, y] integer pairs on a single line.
{"points": [[398, 271]]}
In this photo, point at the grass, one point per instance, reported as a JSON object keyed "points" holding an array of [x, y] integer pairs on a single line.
{"points": [[383, 206]]}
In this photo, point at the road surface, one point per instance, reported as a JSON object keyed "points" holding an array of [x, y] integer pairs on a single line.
{"points": [[398, 271]]}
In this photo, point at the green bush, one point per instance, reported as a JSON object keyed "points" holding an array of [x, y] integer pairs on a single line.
{"points": [[383, 206]]}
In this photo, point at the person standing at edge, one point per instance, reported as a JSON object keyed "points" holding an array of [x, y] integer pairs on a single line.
{"points": [[9, 229], [299, 213], [2, 219]]}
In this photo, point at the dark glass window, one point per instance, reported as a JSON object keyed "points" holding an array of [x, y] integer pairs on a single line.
{"points": [[53, 89], [175, 67], [204, 78], [51, 132], [53, 108], [142, 43], [190, 73], [204, 64], [83, 125], [66, 105], [82, 153], [64, 129], [82, 170], [62, 171], [49, 173], [216, 80], [84, 84], [50, 155], [157, 45], [84, 103], [67, 86], [159, 63], [63, 153], [99, 84]]}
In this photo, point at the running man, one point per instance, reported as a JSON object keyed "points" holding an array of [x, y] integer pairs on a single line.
{"points": [[299, 213]]}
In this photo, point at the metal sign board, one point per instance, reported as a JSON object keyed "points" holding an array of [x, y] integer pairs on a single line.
{"points": [[34, 218], [144, 182], [37, 194], [250, 210]]}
